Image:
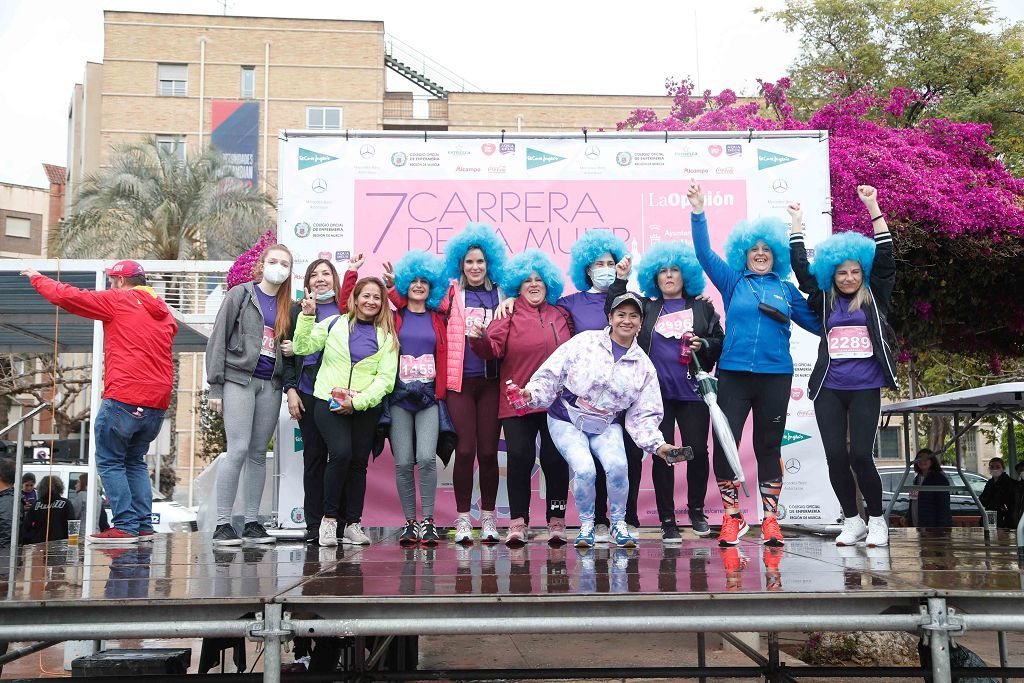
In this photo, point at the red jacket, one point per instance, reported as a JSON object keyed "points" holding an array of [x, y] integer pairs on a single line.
{"points": [[138, 331], [440, 350], [523, 341]]}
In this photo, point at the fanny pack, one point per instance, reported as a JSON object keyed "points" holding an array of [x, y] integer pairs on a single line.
{"points": [[767, 309], [588, 423]]}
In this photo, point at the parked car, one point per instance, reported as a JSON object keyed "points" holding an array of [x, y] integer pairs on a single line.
{"points": [[168, 515], [960, 504]]}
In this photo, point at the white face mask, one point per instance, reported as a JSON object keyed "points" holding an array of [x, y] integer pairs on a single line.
{"points": [[275, 273], [325, 296], [602, 277]]}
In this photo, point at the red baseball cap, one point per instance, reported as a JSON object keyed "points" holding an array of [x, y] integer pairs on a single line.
{"points": [[125, 269]]}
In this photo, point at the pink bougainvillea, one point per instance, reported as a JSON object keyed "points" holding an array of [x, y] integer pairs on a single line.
{"points": [[242, 269]]}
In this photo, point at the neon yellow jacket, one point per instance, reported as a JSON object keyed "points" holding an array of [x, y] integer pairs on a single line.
{"points": [[373, 377]]}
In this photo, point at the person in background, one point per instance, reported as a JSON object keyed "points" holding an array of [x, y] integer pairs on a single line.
{"points": [[849, 285], [6, 501], [1018, 494], [48, 518], [999, 495], [931, 509], [523, 341], [244, 367], [138, 377], [28, 492], [299, 376], [79, 498]]}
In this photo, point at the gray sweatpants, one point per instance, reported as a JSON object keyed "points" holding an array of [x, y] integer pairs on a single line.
{"points": [[250, 416], [414, 442]]}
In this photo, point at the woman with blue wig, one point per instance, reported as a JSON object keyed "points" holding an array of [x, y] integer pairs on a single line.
{"points": [[523, 341], [755, 371], [422, 362], [671, 279], [849, 284]]}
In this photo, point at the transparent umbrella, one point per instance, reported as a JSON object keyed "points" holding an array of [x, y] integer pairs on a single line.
{"points": [[707, 387]]}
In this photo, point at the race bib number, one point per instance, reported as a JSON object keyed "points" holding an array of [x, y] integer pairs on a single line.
{"points": [[673, 325], [417, 368], [851, 341], [268, 347], [483, 316]]}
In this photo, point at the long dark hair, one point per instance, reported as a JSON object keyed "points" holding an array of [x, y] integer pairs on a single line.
{"points": [[384, 319], [334, 274]]}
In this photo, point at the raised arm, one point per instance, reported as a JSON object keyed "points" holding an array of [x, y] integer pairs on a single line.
{"points": [[883, 269], [798, 258], [86, 303], [721, 275]]}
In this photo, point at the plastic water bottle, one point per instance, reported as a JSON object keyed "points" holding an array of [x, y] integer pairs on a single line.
{"points": [[338, 394], [515, 398], [685, 352]]}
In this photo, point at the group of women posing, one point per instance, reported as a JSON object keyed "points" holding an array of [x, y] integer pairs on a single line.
{"points": [[599, 377]]}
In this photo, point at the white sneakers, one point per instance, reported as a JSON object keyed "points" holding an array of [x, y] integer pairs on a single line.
{"points": [[354, 535], [854, 531], [488, 528], [875, 533], [328, 532], [463, 529]]}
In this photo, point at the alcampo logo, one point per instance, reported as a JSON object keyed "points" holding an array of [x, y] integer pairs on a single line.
{"points": [[535, 158], [789, 438], [309, 158], [766, 159]]}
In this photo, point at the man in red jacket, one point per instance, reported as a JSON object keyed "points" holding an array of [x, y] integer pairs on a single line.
{"points": [[138, 330]]}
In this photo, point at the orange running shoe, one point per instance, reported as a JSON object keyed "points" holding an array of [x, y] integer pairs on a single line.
{"points": [[771, 534], [732, 529]]}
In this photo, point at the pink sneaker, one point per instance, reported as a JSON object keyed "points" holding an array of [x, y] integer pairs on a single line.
{"points": [[556, 531], [517, 533]]}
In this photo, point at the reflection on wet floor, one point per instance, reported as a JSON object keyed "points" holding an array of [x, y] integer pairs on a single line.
{"points": [[185, 567]]}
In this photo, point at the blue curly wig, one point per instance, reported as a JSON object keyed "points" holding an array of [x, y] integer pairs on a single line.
{"points": [[594, 243], [427, 266], [483, 237], [838, 248], [664, 254], [746, 234], [522, 265]]}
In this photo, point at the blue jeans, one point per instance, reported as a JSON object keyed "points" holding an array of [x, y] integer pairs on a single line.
{"points": [[123, 433]]}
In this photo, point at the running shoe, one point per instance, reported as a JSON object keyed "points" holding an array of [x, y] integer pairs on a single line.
{"points": [[602, 534], [428, 532], [114, 536], [410, 533], [517, 532], [224, 534], [354, 535], [489, 529], [585, 538], [733, 527], [255, 533], [699, 523], [623, 539], [771, 534], [854, 531], [772, 556], [878, 532], [734, 562], [670, 533], [328, 532], [634, 531], [556, 531], [464, 530]]}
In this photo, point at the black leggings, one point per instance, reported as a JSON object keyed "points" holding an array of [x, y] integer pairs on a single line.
{"points": [[521, 447], [693, 419], [855, 413], [314, 463], [349, 440], [767, 395]]}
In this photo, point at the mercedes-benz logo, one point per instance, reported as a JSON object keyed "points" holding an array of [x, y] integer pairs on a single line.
{"points": [[367, 151], [592, 152], [319, 185], [792, 466], [780, 185]]}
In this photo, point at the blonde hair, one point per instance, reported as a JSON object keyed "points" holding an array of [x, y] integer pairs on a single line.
{"points": [[384, 319]]}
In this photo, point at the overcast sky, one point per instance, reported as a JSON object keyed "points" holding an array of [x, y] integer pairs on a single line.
{"points": [[529, 46]]}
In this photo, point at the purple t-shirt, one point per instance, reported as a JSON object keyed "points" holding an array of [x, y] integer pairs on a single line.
{"points": [[268, 346], [847, 338], [418, 343], [618, 351], [586, 309], [306, 379], [362, 342], [480, 305], [675, 377]]}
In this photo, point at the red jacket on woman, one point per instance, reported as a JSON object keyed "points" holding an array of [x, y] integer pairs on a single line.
{"points": [[440, 350], [523, 341]]}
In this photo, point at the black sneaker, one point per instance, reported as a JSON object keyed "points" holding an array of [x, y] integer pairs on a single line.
{"points": [[312, 535], [225, 534], [670, 533], [699, 522], [410, 534], [255, 533], [428, 532]]}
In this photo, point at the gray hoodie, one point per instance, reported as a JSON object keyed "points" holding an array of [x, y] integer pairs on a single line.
{"points": [[234, 346]]}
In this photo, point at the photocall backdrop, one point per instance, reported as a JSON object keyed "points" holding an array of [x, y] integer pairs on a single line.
{"points": [[385, 194]]}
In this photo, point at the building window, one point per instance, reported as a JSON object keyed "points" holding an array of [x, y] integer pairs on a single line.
{"points": [[887, 443], [248, 82], [320, 118], [172, 79], [175, 144], [18, 227]]}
